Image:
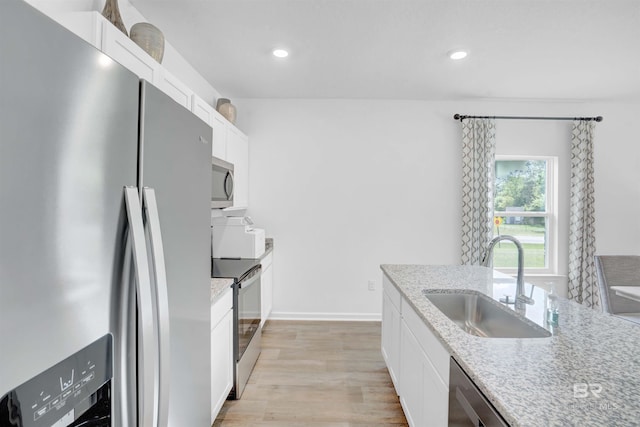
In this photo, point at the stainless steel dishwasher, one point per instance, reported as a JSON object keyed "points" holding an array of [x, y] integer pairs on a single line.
{"points": [[467, 404]]}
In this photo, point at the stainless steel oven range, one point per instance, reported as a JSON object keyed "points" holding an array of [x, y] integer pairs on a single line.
{"points": [[247, 333]]}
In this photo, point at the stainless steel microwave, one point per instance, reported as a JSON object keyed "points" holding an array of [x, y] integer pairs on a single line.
{"points": [[221, 183]]}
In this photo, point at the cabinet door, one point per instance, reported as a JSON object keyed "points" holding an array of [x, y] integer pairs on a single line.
{"points": [[87, 25], [423, 394], [435, 397], [266, 285], [126, 52], [391, 338], [411, 378], [175, 88], [202, 109], [221, 363], [219, 145], [238, 154]]}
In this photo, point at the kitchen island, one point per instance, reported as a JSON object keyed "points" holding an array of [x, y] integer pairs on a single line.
{"points": [[586, 374]]}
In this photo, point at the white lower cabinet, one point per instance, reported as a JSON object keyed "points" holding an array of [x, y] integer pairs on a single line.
{"points": [[422, 368], [391, 330], [411, 377], [424, 396], [266, 288], [221, 351]]}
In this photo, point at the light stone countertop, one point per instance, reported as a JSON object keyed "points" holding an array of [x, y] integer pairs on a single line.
{"points": [[532, 381], [218, 286]]}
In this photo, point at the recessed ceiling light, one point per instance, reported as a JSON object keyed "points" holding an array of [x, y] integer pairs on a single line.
{"points": [[280, 53], [458, 54]]}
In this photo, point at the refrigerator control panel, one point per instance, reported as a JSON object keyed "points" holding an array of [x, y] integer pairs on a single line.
{"points": [[63, 393]]}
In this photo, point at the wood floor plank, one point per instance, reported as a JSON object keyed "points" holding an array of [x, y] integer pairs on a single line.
{"points": [[317, 374]]}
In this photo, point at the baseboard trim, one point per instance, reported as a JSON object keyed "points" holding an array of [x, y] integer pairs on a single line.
{"points": [[358, 317]]}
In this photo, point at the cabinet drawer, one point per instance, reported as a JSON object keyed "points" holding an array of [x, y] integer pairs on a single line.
{"points": [[220, 307], [435, 351], [392, 292]]}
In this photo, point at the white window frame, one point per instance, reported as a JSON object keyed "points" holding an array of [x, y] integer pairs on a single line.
{"points": [[550, 213]]}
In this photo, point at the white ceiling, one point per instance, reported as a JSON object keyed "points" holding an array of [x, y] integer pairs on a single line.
{"points": [[397, 49]]}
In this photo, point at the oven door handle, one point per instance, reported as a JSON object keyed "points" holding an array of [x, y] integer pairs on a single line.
{"points": [[244, 284]]}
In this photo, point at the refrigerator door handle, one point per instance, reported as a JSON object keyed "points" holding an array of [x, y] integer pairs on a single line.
{"points": [[147, 350], [152, 220]]}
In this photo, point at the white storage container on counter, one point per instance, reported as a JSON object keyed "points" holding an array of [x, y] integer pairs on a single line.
{"points": [[235, 237]]}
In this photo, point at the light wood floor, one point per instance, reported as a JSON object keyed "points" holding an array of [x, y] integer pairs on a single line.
{"points": [[317, 374]]}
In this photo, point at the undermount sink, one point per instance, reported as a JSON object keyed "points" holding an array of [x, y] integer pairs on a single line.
{"points": [[481, 316]]}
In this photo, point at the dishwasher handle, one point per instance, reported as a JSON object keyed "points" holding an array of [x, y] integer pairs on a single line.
{"points": [[468, 409], [467, 405]]}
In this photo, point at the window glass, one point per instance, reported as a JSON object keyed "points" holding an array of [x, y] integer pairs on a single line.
{"points": [[532, 234], [520, 185], [522, 209]]}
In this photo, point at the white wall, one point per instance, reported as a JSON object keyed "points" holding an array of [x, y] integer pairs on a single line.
{"points": [[346, 185]]}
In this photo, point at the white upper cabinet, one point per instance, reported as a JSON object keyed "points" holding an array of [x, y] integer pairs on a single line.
{"points": [[172, 86], [202, 109], [219, 146], [86, 25], [238, 154], [121, 48], [229, 143]]}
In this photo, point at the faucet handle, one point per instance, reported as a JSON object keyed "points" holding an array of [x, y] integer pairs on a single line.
{"points": [[506, 300], [525, 299]]}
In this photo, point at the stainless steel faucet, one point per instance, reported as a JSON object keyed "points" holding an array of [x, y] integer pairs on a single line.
{"points": [[521, 299]]}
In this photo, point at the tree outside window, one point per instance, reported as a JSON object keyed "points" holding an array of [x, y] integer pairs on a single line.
{"points": [[522, 201]]}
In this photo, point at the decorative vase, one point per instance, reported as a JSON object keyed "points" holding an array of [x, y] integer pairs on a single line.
{"points": [[227, 109], [149, 38], [112, 13]]}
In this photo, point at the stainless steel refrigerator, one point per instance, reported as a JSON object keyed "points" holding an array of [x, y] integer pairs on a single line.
{"points": [[104, 238]]}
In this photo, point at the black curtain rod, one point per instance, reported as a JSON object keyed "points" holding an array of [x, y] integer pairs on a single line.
{"points": [[462, 117]]}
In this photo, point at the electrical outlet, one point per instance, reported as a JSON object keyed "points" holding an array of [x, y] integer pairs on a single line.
{"points": [[372, 285]]}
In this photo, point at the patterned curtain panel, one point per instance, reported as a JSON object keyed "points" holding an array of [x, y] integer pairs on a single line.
{"points": [[478, 163], [583, 285]]}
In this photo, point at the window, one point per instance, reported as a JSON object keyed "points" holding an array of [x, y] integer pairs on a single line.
{"points": [[524, 208]]}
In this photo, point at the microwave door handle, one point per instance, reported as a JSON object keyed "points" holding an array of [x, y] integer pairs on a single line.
{"points": [[147, 349], [228, 179], [152, 218]]}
